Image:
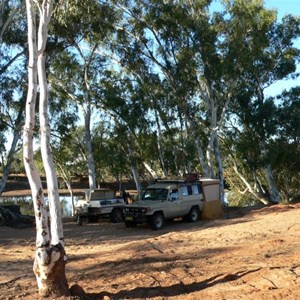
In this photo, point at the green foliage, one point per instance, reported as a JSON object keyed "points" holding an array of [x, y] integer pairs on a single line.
{"points": [[83, 20], [154, 73], [17, 166]]}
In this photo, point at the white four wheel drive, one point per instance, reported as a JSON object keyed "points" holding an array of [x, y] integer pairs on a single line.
{"points": [[99, 203], [170, 199]]}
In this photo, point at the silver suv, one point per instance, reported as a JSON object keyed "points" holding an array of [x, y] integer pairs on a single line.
{"points": [[99, 203], [166, 200]]}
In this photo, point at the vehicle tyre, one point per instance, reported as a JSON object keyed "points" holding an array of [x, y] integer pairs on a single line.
{"points": [[130, 224], [194, 214], [157, 221], [116, 216]]}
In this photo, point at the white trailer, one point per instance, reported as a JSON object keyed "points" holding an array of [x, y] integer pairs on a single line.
{"points": [[99, 203]]}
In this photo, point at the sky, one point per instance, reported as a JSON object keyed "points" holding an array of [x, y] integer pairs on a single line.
{"points": [[283, 8]]}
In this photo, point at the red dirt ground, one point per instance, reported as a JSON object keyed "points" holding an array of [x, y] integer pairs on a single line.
{"points": [[247, 254]]}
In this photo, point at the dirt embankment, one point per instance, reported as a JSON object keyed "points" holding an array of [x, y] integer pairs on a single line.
{"points": [[247, 254]]}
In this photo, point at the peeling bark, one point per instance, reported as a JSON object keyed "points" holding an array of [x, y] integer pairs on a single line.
{"points": [[49, 267], [50, 258]]}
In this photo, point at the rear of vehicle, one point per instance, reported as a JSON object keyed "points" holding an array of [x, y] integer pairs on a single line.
{"points": [[101, 203]]}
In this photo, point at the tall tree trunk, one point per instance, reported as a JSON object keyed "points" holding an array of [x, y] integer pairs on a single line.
{"points": [[69, 187], [4, 25], [51, 177], [201, 157], [210, 151], [252, 190], [150, 170], [134, 170], [159, 144], [50, 258], [12, 150], [68, 181], [176, 160], [273, 191], [89, 150], [87, 108], [220, 171], [274, 194]]}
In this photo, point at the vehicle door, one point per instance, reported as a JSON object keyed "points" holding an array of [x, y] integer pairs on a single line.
{"points": [[191, 195], [186, 201], [173, 204]]}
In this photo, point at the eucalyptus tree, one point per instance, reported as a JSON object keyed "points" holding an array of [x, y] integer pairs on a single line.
{"points": [[68, 82], [285, 149], [173, 137], [110, 160], [268, 56], [12, 116], [135, 103], [153, 48], [8, 11], [68, 143], [80, 72], [188, 50], [12, 81], [124, 102], [50, 257], [85, 32]]}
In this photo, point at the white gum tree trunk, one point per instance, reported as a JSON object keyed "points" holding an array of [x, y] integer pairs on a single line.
{"points": [[10, 156], [89, 147], [274, 193], [134, 170], [50, 257]]}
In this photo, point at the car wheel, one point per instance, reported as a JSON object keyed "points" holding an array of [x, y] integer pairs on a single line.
{"points": [[116, 216], [157, 221], [194, 214]]}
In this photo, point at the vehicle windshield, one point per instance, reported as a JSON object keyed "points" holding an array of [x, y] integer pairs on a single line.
{"points": [[155, 194]]}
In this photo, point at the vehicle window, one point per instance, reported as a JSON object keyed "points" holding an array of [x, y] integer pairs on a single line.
{"points": [[174, 195], [155, 194], [196, 188], [186, 190]]}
